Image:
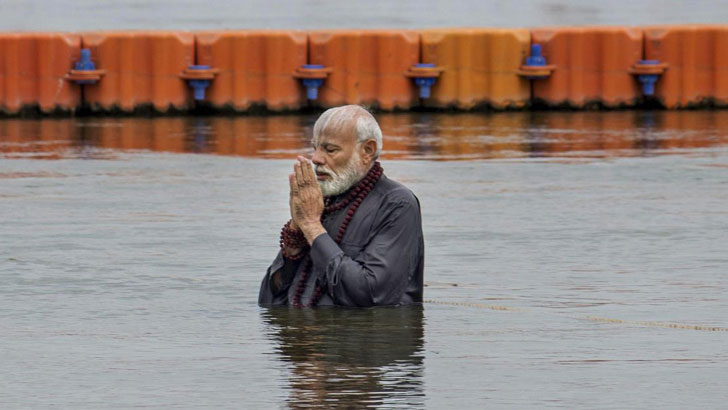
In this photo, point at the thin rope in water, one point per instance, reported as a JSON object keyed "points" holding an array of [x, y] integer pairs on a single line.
{"points": [[649, 323], [476, 305], [645, 323]]}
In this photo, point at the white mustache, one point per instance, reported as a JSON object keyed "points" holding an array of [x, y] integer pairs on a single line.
{"points": [[323, 170]]}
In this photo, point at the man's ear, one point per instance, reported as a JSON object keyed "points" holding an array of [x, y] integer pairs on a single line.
{"points": [[370, 149]]}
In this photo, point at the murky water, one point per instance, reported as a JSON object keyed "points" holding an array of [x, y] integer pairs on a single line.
{"points": [[75, 15], [574, 260], [425, 136]]}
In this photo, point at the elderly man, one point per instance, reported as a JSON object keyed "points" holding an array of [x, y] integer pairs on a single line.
{"points": [[355, 236]]}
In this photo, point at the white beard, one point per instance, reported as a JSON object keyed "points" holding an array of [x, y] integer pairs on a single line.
{"points": [[345, 179]]}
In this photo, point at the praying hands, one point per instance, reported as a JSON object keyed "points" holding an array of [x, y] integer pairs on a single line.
{"points": [[306, 200]]}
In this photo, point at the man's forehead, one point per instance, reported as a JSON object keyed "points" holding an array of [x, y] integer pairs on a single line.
{"points": [[335, 135]]}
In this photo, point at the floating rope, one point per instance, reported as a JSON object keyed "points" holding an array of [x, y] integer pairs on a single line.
{"points": [[667, 325], [656, 324], [476, 305]]}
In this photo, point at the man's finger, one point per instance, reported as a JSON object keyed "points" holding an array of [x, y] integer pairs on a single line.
{"points": [[308, 171], [293, 184], [299, 173], [305, 168]]}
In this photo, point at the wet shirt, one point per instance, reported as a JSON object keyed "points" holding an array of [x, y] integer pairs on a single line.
{"points": [[379, 262]]}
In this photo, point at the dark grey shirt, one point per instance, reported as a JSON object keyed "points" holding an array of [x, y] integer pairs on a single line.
{"points": [[379, 262]]}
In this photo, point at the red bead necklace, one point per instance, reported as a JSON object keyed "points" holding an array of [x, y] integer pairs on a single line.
{"points": [[355, 198]]}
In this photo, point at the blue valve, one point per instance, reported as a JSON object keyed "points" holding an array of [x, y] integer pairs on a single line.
{"points": [[312, 84], [648, 80], [199, 86], [85, 64], [425, 83], [536, 58]]}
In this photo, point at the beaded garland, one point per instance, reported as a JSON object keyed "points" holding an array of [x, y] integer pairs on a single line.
{"points": [[292, 239]]}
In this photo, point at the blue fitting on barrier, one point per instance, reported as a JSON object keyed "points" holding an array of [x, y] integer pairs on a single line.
{"points": [[199, 85], [85, 64], [535, 67], [536, 58], [312, 84], [648, 80], [425, 83]]}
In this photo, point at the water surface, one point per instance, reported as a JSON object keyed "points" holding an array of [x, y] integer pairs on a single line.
{"points": [[560, 248], [80, 15]]}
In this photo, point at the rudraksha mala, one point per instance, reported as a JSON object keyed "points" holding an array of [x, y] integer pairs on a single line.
{"points": [[355, 198], [294, 239]]}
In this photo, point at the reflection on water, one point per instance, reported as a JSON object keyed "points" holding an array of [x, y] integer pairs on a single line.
{"points": [[133, 282], [351, 358], [407, 136]]}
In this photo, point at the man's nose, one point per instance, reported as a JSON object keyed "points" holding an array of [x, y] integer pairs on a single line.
{"points": [[317, 158]]}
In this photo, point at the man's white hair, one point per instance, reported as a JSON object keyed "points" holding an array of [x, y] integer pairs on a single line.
{"points": [[338, 118]]}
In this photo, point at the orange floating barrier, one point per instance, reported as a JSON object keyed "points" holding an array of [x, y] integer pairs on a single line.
{"points": [[32, 71], [480, 67], [591, 65], [256, 68], [697, 64], [142, 69], [367, 67]]}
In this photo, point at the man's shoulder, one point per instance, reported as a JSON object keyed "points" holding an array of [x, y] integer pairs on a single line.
{"points": [[393, 192]]}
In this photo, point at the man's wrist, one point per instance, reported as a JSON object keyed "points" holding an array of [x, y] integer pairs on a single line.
{"points": [[292, 225], [312, 230], [292, 241]]}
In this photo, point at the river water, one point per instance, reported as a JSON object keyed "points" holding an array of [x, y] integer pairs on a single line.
{"points": [[81, 15], [574, 260]]}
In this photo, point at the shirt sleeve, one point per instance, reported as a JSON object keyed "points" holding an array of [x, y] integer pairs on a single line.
{"points": [[275, 292], [380, 273]]}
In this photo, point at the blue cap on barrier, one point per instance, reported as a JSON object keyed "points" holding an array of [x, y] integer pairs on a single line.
{"points": [[312, 84], [199, 86], [425, 83], [648, 80]]}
